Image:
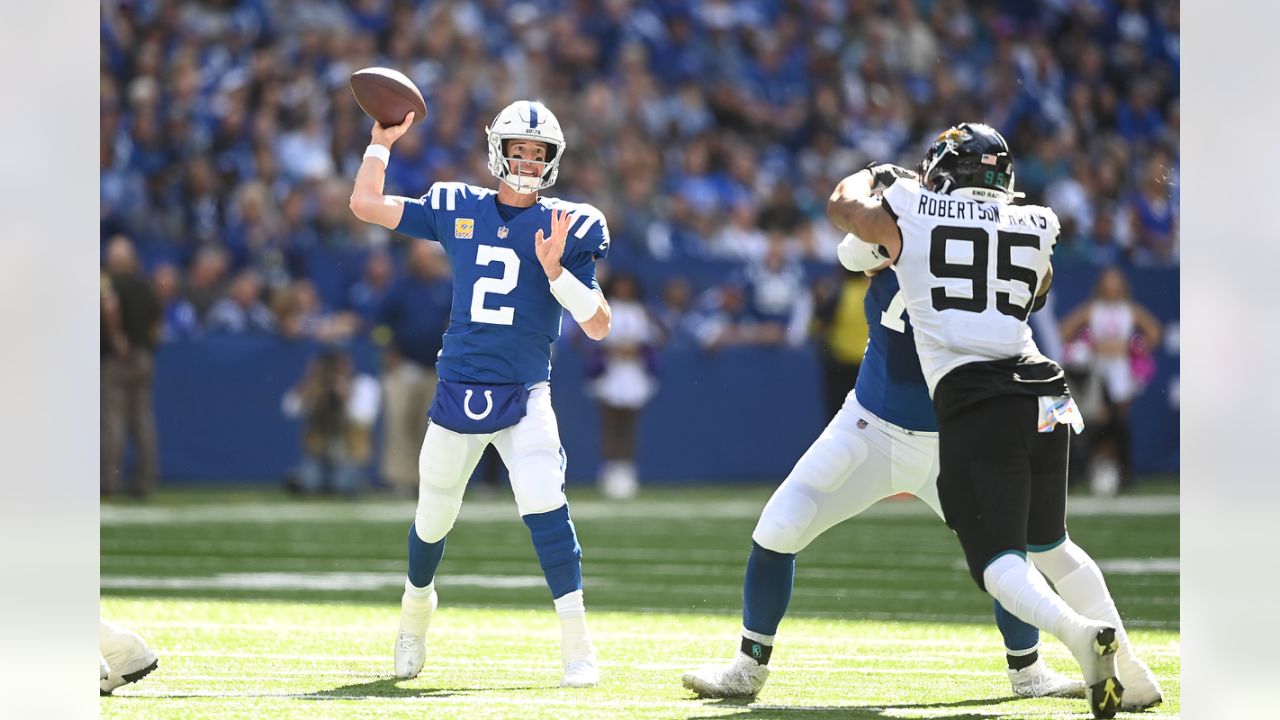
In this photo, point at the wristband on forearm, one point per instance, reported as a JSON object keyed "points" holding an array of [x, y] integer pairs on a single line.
{"points": [[581, 301], [381, 152]]}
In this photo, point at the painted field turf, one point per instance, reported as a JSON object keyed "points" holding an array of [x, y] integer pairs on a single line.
{"points": [[261, 606]]}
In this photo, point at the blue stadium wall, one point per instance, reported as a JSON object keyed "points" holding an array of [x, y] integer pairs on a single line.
{"points": [[741, 414]]}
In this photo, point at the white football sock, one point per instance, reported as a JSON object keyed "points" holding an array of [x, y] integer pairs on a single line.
{"points": [[758, 637], [418, 593], [1024, 592], [573, 620], [1079, 581]]}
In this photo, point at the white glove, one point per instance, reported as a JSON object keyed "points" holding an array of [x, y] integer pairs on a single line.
{"points": [[859, 256]]}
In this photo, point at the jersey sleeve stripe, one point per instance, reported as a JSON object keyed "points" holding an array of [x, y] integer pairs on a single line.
{"points": [[585, 226]]}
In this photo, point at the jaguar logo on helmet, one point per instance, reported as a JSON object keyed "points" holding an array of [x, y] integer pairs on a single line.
{"points": [[525, 120], [970, 159]]}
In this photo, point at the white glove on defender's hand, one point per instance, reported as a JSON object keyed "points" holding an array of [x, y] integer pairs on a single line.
{"points": [[859, 256]]}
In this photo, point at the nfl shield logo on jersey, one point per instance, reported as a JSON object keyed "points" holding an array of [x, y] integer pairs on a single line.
{"points": [[464, 228], [502, 232]]}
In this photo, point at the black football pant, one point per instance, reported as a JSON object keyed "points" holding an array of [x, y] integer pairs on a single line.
{"points": [[1001, 483]]}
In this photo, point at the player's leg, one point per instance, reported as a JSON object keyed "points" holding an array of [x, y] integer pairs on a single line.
{"points": [[536, 463], [143, 421], [843, 472], [985, 490], [1073, 573], [916, 471], [444, 465], [124, 656], [114, 412]]}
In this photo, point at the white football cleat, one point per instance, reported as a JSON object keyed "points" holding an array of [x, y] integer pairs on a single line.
{"points": [[742, 678], [411, 641], [1095, 649], [1039, 680], [124, 656], [1141, 689], [580, 669]]}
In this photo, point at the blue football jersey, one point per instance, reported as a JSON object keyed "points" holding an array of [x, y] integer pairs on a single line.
{"points": [[504, 317], [890, 381]]}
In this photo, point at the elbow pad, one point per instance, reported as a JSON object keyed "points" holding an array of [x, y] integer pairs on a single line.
{"points": [[859, 256]]}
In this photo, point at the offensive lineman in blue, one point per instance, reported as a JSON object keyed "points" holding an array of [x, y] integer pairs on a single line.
{"points": [[882, 442], [518, 259]]}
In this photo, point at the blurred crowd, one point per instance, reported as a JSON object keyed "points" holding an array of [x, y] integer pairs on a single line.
{"points": [[704, 130], [709, 132]]}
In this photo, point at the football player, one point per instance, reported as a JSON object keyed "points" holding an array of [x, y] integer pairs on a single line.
{"points": [[518, 258], [972, 266], [882, 442]]}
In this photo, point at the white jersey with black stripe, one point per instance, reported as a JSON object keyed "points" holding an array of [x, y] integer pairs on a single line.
{"points": [[969, 271]]}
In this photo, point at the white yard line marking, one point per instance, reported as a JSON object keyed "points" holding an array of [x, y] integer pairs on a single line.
{"points": [[503, 511], [308, 581]]}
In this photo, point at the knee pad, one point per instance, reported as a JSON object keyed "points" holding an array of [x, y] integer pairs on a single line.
{"points": [[784, 525], [537, 479], [435, 515]]}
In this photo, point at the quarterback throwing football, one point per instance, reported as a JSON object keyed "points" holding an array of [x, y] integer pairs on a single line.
{"points": [[517, 259]]}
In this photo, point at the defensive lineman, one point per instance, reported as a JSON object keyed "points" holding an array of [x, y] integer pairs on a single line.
{"points": [[517, 258], [882, 442], [971, 266]]}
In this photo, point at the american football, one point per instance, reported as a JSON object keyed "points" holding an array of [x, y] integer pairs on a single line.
{"points": [[387, 95]]}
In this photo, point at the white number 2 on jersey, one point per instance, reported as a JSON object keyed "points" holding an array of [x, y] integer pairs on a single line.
{"points": [[505, 314], [892, 318]]}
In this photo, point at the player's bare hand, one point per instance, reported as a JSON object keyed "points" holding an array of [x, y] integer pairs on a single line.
{"points": [[386, 136], [551, 249]]}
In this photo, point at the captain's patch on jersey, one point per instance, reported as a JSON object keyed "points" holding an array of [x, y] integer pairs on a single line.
{"points": [[464, 228]]}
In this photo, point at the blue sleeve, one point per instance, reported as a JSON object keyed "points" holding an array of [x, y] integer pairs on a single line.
{"points": [[419, 219], [590, 243]]}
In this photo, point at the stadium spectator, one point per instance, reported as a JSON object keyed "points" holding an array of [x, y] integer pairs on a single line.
{"points": [[1114, 336], [338, 407], [777, 294], [368, 293], [178, 316], [242, 311], [131, 316], [724, 320], [674, 314], [411, 321], [206, 281], [623, 381], [301, 315]]}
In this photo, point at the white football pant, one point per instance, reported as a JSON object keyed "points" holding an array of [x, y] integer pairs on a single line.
{"points": [[857, 461], [530, 449]]}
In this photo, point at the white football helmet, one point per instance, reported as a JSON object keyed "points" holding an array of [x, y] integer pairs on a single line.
{"points": [[525, 120]]}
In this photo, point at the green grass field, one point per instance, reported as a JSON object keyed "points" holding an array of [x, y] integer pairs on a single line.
{"points": [[261, 606]]}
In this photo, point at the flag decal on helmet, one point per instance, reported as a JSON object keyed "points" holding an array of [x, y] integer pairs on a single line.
{"points": [[988, 159]]}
